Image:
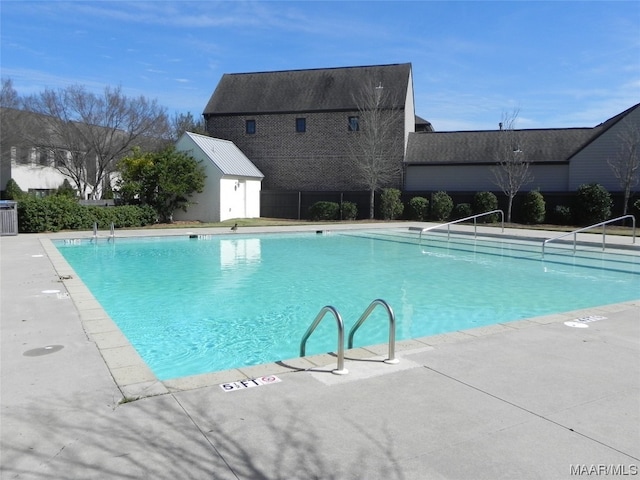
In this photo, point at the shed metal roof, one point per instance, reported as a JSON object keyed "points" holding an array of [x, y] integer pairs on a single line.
{"points": [[225, 155], [305, 90]]}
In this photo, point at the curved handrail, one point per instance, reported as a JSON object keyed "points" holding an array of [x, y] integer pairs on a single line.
{"points": [[601, 224], [392, 327], [328, 309], [475, 226]]}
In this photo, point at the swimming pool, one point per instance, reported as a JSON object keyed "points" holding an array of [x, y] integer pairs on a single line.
{"points": [[214, 302]]}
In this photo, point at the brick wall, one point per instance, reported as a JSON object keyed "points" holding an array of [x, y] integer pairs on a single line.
{"points": [[317, 159]]}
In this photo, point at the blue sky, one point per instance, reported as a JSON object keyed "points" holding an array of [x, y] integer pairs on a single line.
{"points": [[562, 64]]}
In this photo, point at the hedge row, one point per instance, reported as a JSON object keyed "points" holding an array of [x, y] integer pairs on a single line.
{"points": [[331, 211], [59, 212]]}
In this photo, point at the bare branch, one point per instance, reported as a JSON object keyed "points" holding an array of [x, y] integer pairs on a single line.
{"points": [[512, 171], [375, 146], [625, 164], [90, 133]]}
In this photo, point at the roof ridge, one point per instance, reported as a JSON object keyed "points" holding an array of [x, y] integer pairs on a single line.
{"points": [[319, 68]]}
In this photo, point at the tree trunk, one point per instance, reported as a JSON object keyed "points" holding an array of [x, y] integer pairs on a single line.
{"points": [[509, 208], [372, 196]]}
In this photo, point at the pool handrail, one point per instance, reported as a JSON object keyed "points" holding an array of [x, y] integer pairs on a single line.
{"points": [[583, 229], [475, 224], [112, 233], [323, 311], [392, 328]]}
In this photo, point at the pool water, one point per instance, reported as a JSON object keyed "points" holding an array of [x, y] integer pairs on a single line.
{"points": [[196, 305]]}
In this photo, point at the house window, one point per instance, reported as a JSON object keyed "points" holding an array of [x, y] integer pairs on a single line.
{"points": [[24, 156], [250, 127], [301, 125], [354, 124], [60, 158], [42, 156]]}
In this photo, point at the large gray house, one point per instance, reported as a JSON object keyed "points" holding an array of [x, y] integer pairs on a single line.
{"points": [[560, 159], [299, 127]]}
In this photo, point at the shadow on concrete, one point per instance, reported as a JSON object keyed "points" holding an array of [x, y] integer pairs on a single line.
{"points": [[159, 438]]}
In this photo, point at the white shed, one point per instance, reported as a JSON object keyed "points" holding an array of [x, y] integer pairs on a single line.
{"points": [[233, 183]]}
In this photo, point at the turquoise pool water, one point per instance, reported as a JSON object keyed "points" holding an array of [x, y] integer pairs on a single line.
{"points": [[191, 306]]}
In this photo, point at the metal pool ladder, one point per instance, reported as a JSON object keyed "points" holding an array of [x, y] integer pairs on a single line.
{"points": [[328, 309], [112, 232], [392, 328], [340, 370]]}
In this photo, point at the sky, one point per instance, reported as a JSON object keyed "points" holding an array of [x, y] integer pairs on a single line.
{"points": [[558, 64]]}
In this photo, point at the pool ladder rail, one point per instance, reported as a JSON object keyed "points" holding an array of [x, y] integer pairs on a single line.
{"points": [[340, 370], [112, 232]]}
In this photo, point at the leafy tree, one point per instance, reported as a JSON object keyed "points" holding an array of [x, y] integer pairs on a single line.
{"points": [[164, 180]]}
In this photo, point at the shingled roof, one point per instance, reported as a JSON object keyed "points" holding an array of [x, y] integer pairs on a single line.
{"points": [[549, 145], [540, 145], [304, 90]]}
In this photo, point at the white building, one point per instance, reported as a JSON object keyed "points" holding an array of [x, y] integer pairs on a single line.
{"points": [[233, 183]]}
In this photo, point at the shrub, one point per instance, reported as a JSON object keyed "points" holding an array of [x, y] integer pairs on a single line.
{"points": [[13, 191], [324, 211], [59, 212], [349, 211], [592, 204], [390, 204], [441, 206], [462, 210], [562, 215], [533, 207], [66, 189], [485, 202], [418, 208]]}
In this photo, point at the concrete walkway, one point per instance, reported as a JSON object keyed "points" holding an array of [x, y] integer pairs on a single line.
{"points": [[533, 399]]}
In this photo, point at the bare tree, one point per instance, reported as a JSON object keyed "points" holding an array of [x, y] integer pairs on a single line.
{"points": [[182, 122], [87, 133], [9, 96], [377, 146], [512, 167], [625, 163]]}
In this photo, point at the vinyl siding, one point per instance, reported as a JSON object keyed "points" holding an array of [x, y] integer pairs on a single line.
{"points": [[590, 165]]}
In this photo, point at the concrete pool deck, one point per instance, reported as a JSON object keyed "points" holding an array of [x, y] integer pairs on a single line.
{"points": [[528, 399]]}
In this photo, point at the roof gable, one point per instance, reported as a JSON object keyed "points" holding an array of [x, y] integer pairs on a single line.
{"points": [[223, 154], [304, 90]]}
